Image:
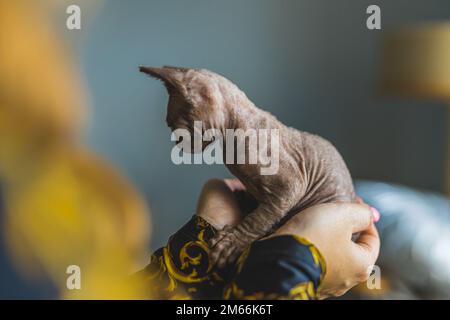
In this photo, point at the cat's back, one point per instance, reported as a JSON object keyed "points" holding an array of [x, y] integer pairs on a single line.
{"points": [[328, 178]]}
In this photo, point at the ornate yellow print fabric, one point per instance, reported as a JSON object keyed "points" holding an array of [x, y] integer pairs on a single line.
{"points": [[181, 269]]}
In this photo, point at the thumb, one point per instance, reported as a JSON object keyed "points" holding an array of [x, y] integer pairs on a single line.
{"points": [[359, 217]]}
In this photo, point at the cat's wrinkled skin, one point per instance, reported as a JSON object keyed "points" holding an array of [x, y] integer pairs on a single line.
{"points": [[311, 171]]}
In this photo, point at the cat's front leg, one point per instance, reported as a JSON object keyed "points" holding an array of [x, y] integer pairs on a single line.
{"points": [[230, 242]]}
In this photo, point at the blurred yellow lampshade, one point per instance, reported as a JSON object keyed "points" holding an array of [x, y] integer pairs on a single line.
{"points": [[416, 64], [416, 61]]}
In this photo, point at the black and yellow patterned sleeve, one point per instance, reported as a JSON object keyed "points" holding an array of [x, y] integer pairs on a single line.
{"points": [[282, 267], [181, 269]]}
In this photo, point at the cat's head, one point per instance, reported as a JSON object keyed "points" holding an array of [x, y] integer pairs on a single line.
{"points": [[195, 95]]}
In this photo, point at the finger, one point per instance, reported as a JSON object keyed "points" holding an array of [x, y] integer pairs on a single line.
{"points": [[369, 244], [351, 217], [234, 184], [218, 205], [358, 216]]}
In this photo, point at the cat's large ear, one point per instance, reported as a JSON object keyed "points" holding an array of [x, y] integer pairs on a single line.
{"points": [[188, 83], [172, 77]]}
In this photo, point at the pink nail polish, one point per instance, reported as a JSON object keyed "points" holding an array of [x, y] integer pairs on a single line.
{"points": [[376, 214]]}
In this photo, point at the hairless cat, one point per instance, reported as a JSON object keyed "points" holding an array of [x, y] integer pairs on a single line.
{"points": [[311, 170]]}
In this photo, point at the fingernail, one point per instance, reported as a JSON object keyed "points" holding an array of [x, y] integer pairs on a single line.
{"points": [[376, 214]]}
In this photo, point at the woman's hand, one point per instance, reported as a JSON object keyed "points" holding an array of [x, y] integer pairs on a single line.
{"points": [[218, 204], [330, 228]]}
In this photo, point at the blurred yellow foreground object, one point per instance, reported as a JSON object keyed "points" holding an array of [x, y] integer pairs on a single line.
{"points": [[63, 205]]}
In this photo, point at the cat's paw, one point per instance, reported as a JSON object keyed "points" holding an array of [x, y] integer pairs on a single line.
{"points": [[226, 247]]}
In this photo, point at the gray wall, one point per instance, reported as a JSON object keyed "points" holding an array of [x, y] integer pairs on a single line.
{"points": [[311, 63]]}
